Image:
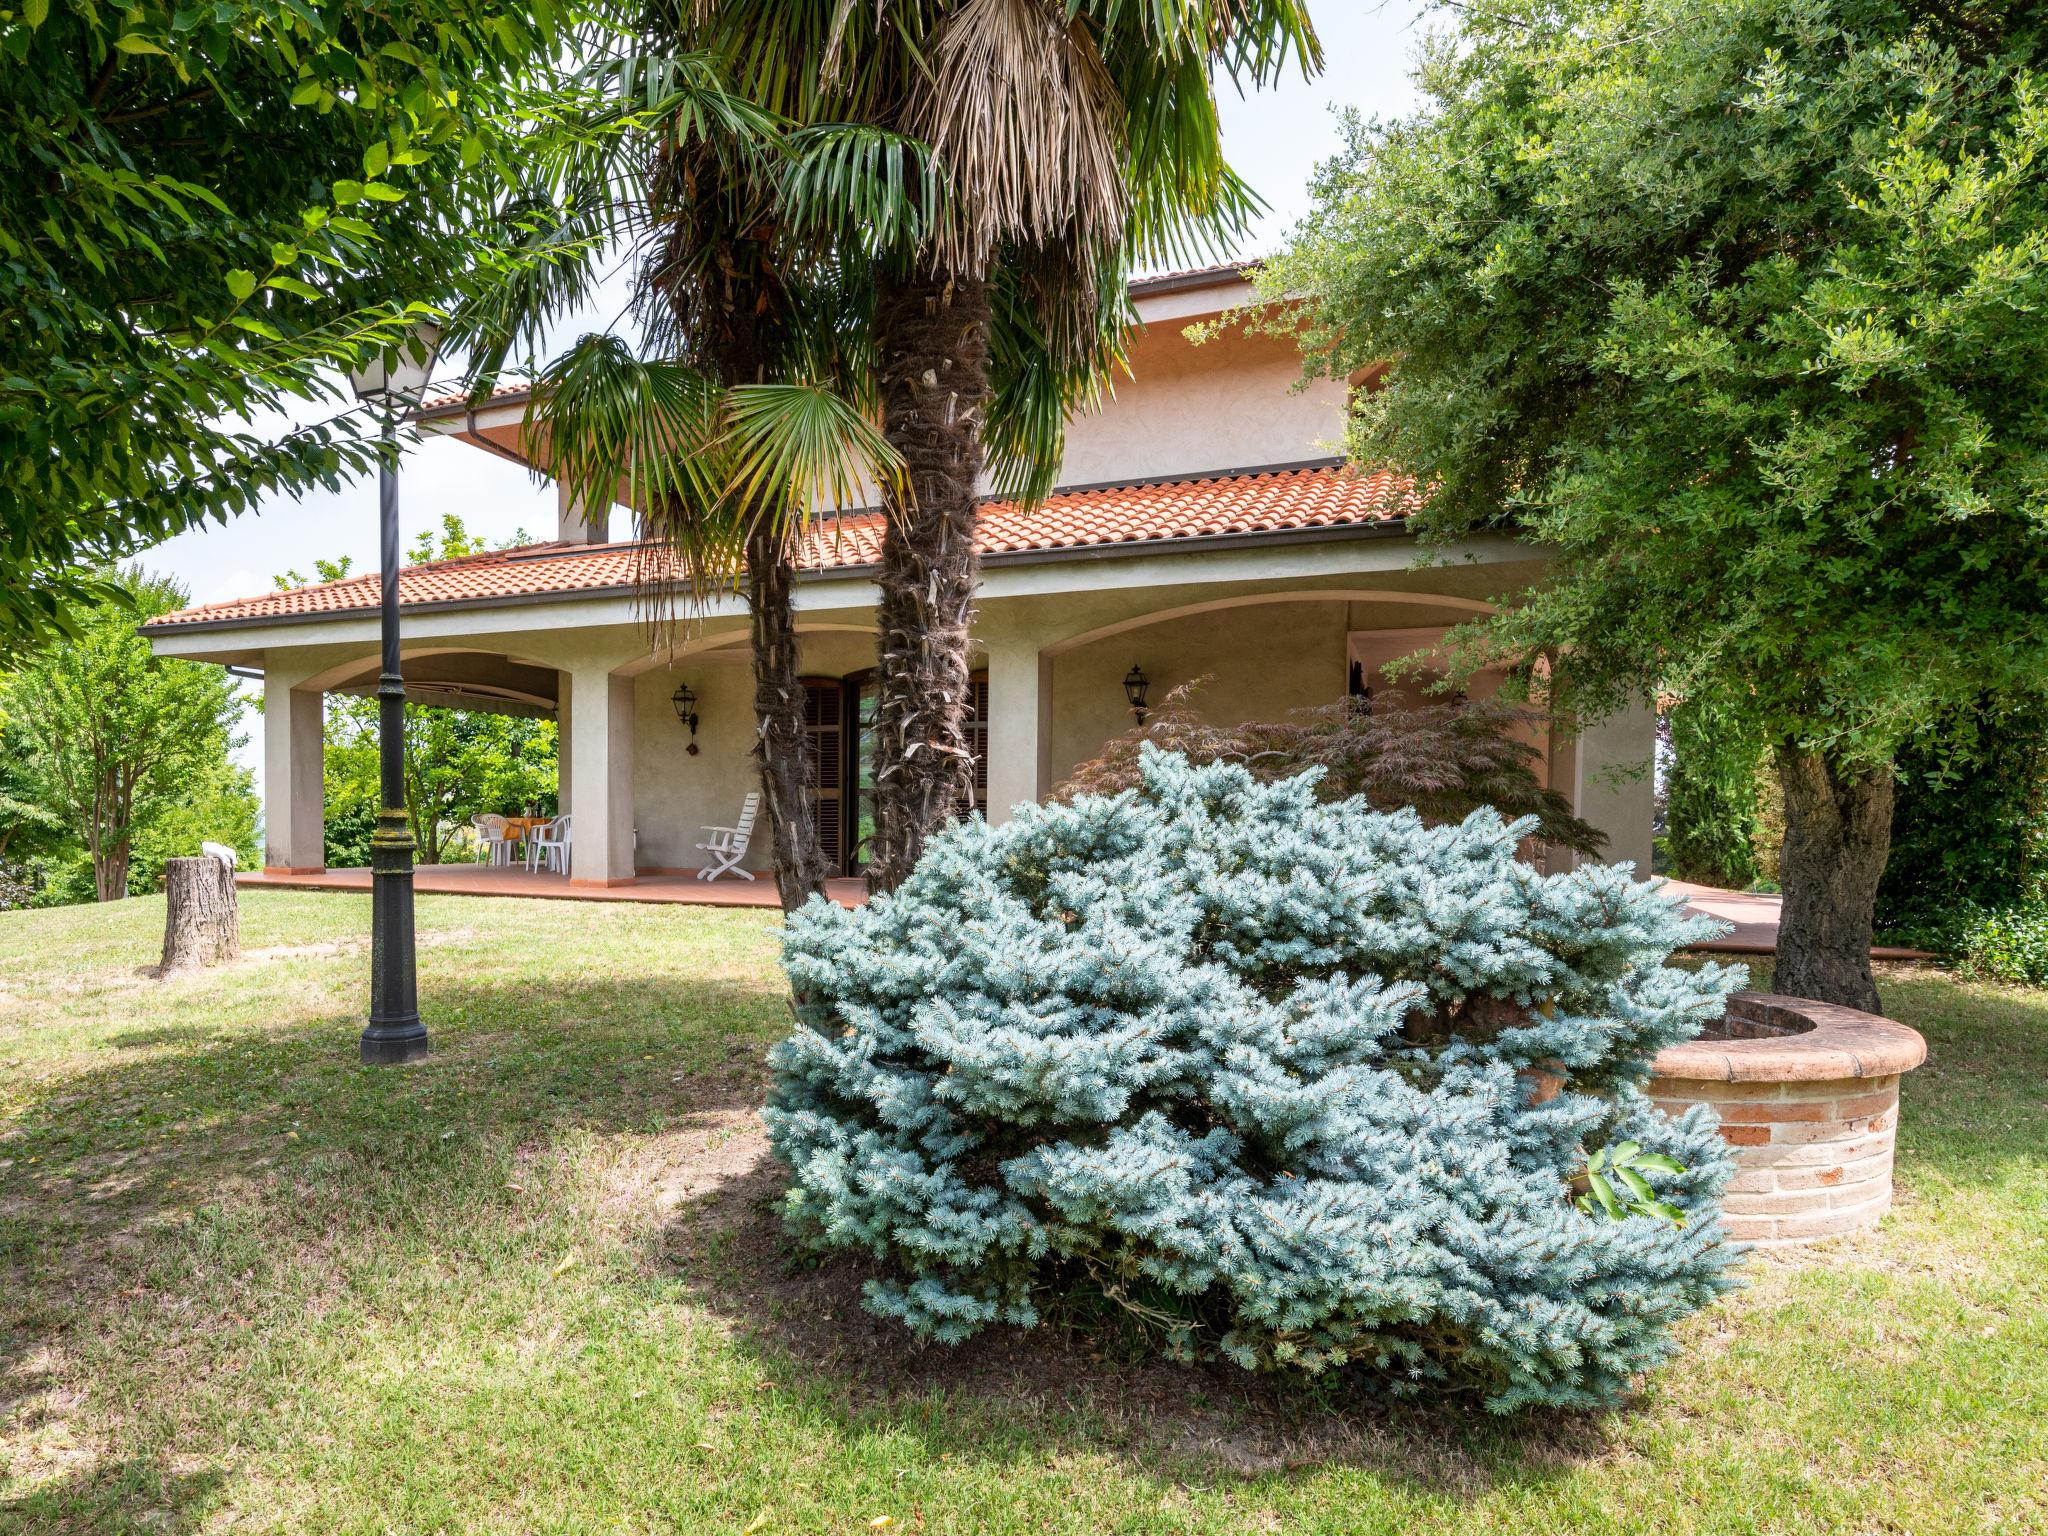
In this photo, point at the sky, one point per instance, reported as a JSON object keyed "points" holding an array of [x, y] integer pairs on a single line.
{"points": [[1275, 138]]}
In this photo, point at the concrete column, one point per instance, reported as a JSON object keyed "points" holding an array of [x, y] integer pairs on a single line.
{"points": [[1019, 724], [600, 804], [1611, 782], [294, 840], [563, 685]]}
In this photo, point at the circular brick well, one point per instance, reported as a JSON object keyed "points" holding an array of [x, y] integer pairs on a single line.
{"points": [[1808, 1096]]}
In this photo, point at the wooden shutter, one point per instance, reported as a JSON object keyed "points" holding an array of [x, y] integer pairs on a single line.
{"points": [[825, 732], [977, 743]]}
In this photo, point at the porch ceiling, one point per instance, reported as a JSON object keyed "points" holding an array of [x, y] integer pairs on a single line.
{"points": [[475, 680]]}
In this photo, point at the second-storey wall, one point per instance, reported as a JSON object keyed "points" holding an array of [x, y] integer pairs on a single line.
{"points": [[1232, 403]]}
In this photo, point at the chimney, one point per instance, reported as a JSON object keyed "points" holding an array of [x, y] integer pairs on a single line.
{"points": [[576, 526]]}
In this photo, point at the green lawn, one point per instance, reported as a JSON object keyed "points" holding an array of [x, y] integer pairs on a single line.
{"points": [[536, 1284]]}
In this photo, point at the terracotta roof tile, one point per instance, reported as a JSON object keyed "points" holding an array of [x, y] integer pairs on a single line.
{"points": [[447, 400], [1272, 501], [1191, 277]]}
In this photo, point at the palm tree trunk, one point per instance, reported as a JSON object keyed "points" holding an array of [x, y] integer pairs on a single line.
{"points": [[737, 344], [934, 341], [1838, 834], [783, 746]]}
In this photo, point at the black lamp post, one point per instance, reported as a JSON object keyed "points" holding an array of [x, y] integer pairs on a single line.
{"points": [[390, 381], [1135, 684]]}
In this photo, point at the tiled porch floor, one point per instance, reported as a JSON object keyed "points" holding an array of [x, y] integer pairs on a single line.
{"points": [[1755, 919], [486, 880]]}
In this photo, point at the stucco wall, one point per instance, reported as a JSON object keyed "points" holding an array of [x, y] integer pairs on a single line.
{"points": [[1230, 403], [1611, 785], [1262, 662]]}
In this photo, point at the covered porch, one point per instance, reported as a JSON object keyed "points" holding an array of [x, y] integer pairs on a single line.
{"points": [[657, 728]]}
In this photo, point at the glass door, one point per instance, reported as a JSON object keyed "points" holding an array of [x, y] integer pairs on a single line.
{"points": [[825, 732], [859, 775]]}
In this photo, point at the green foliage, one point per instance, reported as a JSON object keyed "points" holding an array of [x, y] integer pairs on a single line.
{"points": [[458, 764], [2009, 945], [123, 752], [351, 813], [1628, 1166], [216, 802], [1710, 809], [206, 213], [28, 827], [1740, 305], [1259, 1071], [1969, 824]]}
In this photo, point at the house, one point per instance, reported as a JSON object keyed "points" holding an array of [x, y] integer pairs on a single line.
{"points": [[1202, 528]]}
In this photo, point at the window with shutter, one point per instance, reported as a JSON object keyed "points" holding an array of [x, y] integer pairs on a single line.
{"points": [[825, 733], [977, 743]]}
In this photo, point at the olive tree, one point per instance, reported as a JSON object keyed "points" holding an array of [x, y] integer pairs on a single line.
{"points": [[1737, 305]]}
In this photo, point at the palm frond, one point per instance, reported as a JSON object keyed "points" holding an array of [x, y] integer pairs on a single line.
{"points": [[552, 270], [793, 449], [1251, 41], [1054, 344], [1170, 230], [582, 192], [828, 322], [861, 184], [617, 428], [1029, 125]]}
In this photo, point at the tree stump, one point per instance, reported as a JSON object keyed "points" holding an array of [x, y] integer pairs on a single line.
{"points": [[202, 925]]}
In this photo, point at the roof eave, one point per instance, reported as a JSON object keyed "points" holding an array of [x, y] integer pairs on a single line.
{"points": [[1394, 527]]}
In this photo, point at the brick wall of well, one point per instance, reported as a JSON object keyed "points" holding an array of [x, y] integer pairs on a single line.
{"points": [[1816, 1157]]}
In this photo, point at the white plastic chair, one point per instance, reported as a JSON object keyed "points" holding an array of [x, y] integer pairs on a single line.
{"points": [[492, 843], [549, 846], [726, 846]]}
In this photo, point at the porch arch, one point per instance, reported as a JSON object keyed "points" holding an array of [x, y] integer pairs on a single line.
{"points": [[1463, 605]]}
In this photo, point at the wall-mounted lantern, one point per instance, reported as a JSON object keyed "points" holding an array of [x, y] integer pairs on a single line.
{"points": [[685, 703], [1135, 684]]}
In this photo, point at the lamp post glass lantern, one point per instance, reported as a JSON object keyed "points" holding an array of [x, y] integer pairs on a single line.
{"points": [[390, 380]]}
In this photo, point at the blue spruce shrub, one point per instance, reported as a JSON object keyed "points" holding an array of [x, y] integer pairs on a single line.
{"points": [[1261, 1070]]}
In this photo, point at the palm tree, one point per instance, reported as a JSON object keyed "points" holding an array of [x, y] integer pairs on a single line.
{"points": [[748, 402], [810, 262], [1074, 140]]}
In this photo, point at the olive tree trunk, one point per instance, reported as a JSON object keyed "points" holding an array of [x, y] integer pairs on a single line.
{"points": [[934, 344], [202, 925], [1838, 833], [782, 747]]}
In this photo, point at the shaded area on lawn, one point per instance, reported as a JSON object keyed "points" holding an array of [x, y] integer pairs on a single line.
{"points": [[539, 1282], [1074, 1389], [149, 1172]]}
